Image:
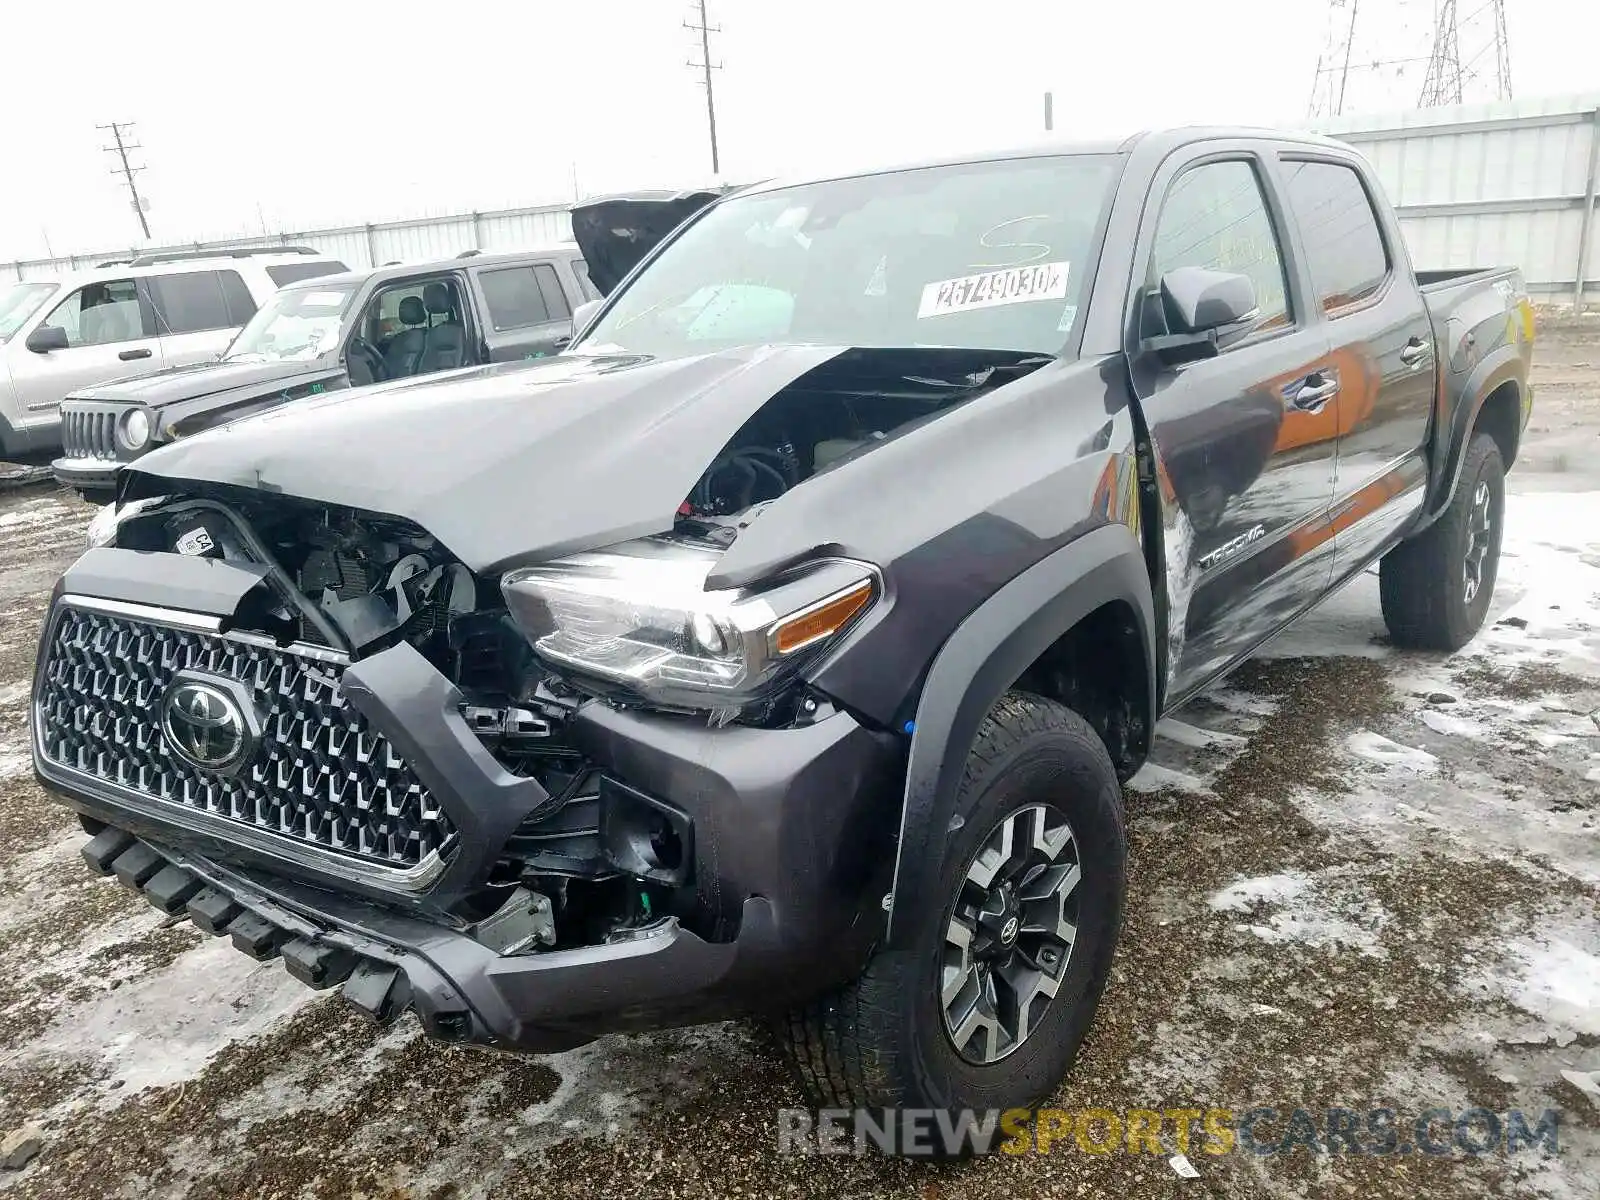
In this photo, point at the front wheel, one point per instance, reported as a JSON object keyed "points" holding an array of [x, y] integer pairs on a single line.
{"points": [[987, 1005], [1436, 588]]}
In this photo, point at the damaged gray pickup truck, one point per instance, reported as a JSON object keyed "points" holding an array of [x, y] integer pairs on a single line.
{"points": [[778, 650]]}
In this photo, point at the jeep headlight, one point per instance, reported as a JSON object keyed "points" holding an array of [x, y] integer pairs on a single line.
{"points": [[641, 617], [134, 430]]}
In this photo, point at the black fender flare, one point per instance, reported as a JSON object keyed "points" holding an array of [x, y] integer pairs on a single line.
{"points": [[985, 655], [1503, 366]]}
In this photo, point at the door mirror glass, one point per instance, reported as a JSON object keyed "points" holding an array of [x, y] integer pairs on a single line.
{"points": [[1198, 300], [47, 338]]}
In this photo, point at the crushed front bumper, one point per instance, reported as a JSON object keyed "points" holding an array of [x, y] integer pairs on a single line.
{"points": [[791, 850]]}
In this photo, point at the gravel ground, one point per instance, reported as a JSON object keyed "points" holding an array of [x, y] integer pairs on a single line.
{"points": [[1360, 878]]}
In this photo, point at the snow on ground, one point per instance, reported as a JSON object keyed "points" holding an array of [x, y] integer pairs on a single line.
{"points": [[1361, 878]]}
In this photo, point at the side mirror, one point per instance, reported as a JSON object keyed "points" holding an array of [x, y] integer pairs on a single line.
{"points": [[1200, 305], [1197, 300], [583, 314], [47, 338]]}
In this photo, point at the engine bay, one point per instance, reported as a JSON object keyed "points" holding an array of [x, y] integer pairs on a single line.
{"points": [[831, 416]]}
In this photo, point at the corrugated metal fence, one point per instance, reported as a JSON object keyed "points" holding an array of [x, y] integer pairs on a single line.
{"points": [[1494, 184], [1479, 185], [369, 245]]}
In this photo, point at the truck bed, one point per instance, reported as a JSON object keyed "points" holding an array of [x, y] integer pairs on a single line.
{"points": [[1430, 282]]}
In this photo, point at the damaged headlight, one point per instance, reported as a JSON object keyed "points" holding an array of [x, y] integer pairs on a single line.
{"points": [[644, 619], [104, 524]]}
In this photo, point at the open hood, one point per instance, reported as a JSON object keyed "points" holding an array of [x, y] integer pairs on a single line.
{"points": [[615, 232]]}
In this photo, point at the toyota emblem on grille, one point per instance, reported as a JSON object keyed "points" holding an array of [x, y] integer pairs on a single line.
{"points": [[208, 721]]}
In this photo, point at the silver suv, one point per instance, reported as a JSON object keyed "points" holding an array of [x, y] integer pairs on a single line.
{"points": [[124, 319]]}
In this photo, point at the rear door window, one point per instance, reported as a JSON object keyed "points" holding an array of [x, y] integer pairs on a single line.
{"points": [[515, 298], [190, 302], [101, 313], [241, 305], [580, 271], [555, 300], [1340, 230]]}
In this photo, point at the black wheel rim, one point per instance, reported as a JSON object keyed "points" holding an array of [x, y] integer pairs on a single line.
{"points": [[1010, 934], [1480, 536]]}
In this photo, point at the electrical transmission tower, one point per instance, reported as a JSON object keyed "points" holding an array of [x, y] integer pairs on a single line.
{"points": [[126, 170], [1443, 82], [1385, 54], [705, 64]]}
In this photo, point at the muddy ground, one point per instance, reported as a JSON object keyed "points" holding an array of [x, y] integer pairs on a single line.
{"points": [[1360, 879]]}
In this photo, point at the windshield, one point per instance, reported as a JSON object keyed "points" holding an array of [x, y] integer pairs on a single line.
{"points": [[19, 302], [302, 323], [982, 256]]}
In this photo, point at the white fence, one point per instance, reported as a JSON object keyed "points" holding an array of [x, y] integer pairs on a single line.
{"points": [[1494, 184], [1481, 185], [366, 245]]}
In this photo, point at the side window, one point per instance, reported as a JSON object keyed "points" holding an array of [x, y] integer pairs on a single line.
{"points": [[1343, 246], [580, 269], [1215, 216], [99, 314], [286, 273], [555, 300], [241, 305], [514, 297], [189, 303]]}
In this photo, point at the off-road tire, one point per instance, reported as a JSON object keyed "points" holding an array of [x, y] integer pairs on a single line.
{"points": [[881, 1041], [1421, 581]]}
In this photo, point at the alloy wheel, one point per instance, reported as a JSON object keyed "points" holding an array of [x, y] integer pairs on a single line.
{"points": [[1480, 525], [1010, 934]]}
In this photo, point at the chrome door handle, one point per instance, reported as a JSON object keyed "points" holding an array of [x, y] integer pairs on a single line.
{"points": [[1415, 352], [1314, 393]]}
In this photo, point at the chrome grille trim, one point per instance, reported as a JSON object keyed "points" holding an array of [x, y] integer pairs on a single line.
{"points": [[322, 788], [89, 430]]}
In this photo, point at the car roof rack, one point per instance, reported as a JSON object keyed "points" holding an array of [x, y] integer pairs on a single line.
{"points": [[169, 256]]}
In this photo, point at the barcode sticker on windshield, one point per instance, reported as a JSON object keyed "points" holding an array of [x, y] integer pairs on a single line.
{"points": [[1013, 285], [323, 299]]}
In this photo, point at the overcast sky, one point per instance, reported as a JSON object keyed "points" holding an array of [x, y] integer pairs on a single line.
{"points": [[295, 114]]}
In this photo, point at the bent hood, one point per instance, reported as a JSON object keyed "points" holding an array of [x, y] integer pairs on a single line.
{"points": [[505, 464], [615, 232], [220, 381]]}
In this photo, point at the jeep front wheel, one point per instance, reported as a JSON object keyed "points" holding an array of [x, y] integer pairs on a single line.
{"points": [[987, 1004]]}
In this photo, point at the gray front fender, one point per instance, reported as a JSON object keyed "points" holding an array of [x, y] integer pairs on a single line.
{"points": [[985, 655]]}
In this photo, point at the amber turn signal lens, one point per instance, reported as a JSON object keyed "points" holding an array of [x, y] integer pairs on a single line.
{"points": [[825, 619]]}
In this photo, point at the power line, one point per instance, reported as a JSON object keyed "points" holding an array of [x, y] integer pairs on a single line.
{"points": [[705, 64], [126, 170]]}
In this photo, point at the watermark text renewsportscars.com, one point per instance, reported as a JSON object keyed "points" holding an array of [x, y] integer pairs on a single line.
{"points": [[1439, 1132]]}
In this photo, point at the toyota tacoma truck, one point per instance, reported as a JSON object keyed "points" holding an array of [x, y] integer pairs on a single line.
{"points": [[779, 649], [346, 330]]}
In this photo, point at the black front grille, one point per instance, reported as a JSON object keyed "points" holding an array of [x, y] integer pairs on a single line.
{"points": [[89, 433], [319, 776]]}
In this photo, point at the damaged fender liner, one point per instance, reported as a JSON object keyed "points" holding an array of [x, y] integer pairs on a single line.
{"points": [[460, 990]]}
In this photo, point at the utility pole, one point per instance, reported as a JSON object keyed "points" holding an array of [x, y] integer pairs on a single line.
{"points": [[126, 171], [705, 64]]}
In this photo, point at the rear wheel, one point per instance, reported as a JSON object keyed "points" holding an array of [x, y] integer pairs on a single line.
{"points": [[1436, 587], [987, 1005]]}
